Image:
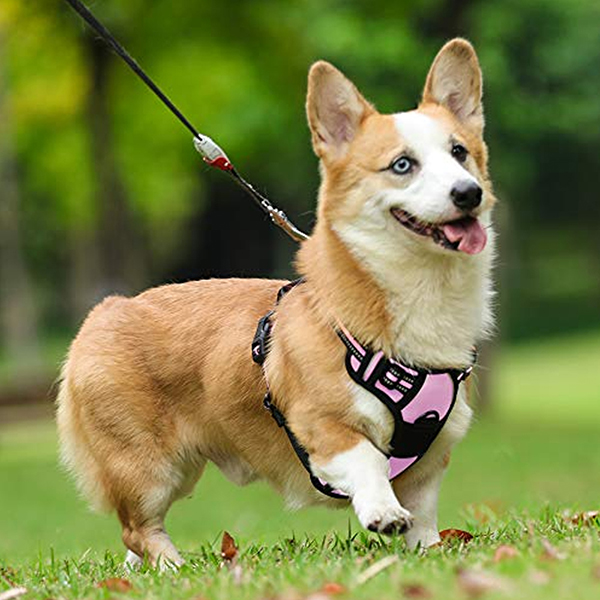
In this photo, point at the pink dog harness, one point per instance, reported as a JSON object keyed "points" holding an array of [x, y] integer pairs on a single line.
{"points": [[420, 400]]}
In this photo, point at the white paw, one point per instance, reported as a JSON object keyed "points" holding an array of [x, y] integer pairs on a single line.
{"points": [[132, 561], [419, 537], [383, 517]]}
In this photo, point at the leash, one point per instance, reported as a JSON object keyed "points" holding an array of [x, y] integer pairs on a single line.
{"points": [[211, 152]]}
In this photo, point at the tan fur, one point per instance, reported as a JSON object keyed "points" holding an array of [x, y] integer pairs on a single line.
{"points": [[157, 385]]}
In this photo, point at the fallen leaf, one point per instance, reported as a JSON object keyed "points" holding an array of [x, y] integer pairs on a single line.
{"points": [[538, 577], [505, 552], [475, 583], [449, 535], [229, 554], [596, 572], [333, 589], [116, 584], [550, 552], [588, 517], [376, 568], [229, 550], [416, 590]]}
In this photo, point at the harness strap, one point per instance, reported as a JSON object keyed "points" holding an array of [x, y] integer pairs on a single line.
{"points": [[392, 382], [299, 449], [260, 348]]}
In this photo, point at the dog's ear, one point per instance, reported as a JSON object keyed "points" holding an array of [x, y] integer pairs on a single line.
{"points": [[454, 81], [335, 109]]}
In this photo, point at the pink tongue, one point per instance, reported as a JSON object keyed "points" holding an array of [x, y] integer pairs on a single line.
{"points": [[469, 232]]}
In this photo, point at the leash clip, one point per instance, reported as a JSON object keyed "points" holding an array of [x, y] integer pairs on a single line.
{"points": [[212, 153]]}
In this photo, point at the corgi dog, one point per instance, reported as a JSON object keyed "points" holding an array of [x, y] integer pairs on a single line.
{"points": [[397, 272]]}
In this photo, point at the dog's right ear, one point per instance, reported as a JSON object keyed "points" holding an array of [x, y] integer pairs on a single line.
{"points": [[454, 81], [335, 109]]}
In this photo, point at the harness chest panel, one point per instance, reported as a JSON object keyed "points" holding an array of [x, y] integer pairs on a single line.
{"points": [[420, 400]]}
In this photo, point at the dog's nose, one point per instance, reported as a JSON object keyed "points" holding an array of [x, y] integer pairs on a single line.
{"points": [[466, 195]]}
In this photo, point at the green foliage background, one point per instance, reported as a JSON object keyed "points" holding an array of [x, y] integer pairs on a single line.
{"points": [[237, 69]]}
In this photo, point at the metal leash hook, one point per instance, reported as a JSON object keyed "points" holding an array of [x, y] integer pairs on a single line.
{"points": [[215, 156], [211, 152]]}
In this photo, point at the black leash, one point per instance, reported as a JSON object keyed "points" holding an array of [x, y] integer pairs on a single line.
{"points": [[211, 152]]}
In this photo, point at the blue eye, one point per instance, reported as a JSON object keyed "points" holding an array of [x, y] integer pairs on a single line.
{"points": [[459, 152], [402, 165]]}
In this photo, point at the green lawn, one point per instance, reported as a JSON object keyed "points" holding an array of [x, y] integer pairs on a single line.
{"points": [[510, 481]]}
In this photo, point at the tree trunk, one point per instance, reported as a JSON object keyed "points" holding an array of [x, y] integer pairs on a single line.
{"points": [[18, 315], [121, 251]]}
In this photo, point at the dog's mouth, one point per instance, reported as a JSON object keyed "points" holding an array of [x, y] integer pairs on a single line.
{"points": [[464, 235]]}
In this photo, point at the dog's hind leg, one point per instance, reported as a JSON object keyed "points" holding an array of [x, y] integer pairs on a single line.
{"points": [[142, 517]]}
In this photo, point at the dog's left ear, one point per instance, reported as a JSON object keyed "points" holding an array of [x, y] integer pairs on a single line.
{"points": [[455, 81]]}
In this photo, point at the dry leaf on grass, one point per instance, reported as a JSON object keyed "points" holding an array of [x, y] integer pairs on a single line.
{"points": [[229, 551], [475, 583], [332, 588], [376, 568], [229, 554], [588, 517], [116, 584], [449, 535], [596, 572], [416, 590], [505, 552], [13, 593]]}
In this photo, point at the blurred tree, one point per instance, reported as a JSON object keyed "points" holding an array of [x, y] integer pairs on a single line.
{"points": [[18, 315], [113, 196], [121, 248]]}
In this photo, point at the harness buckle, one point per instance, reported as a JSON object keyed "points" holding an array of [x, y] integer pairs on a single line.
{"points": [[261, 339], [464, 374]]}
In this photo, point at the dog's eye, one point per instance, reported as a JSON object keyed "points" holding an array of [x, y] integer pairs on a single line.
{"points": [[402, 165], [459, 152]]}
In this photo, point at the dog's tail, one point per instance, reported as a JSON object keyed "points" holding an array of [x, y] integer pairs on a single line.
{"points": [[75, 448]]}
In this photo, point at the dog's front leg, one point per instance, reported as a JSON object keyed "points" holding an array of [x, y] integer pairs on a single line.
{"points": [[362, 473], [419, 491]]}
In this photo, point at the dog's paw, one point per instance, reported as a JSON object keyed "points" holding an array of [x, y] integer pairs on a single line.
{"points": [[391, 520], [132, 561], [419, 537]]}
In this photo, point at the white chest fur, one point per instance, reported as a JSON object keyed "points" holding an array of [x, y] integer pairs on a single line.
{"points": [[378, 422]]}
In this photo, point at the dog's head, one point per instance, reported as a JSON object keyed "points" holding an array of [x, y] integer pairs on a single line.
{"points": [[414, 179]]}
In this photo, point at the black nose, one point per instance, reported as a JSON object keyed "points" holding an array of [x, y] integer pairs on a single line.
{"points": [[466, 195]]}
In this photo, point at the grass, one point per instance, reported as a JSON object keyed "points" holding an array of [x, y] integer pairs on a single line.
{"points": [[512, 481]]}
